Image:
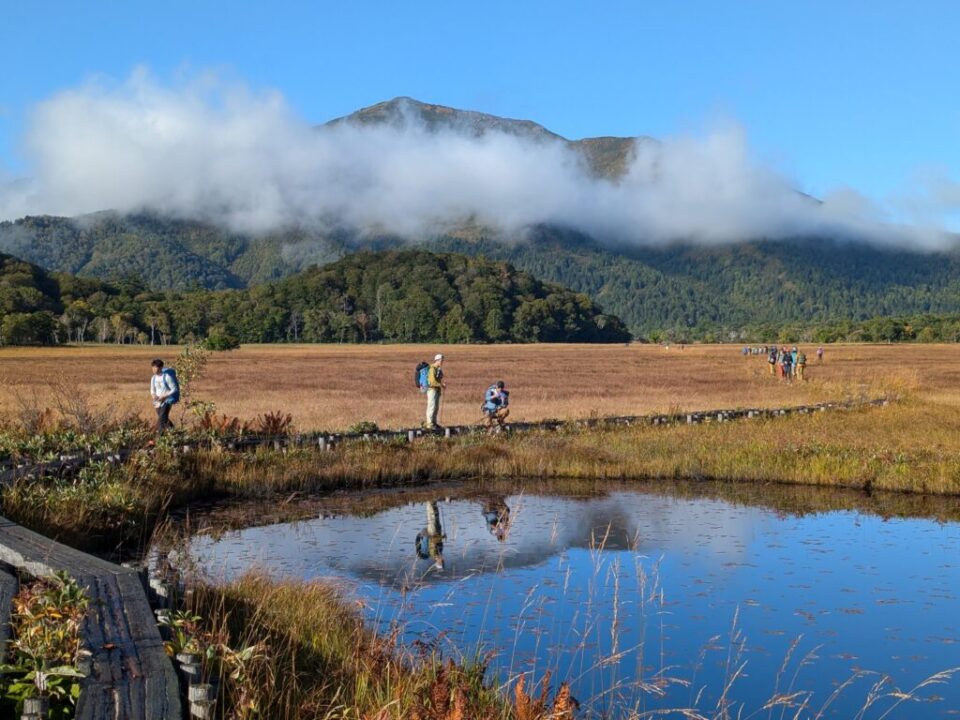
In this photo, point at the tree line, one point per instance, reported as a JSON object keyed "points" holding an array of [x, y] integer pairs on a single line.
{"points": [[398, 296], [685, 288]]}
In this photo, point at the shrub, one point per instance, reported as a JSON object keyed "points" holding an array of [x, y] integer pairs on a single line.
{"points": [[219, 339]]}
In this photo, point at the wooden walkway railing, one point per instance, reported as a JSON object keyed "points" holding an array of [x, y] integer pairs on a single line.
{"points": [[129, 674], [67, 464]]}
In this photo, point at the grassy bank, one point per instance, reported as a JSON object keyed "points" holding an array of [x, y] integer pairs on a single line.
{"points": [[905, 447], [908, 446], [316, 659]]}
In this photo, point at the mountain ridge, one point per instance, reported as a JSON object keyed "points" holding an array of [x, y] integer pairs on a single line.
{"points": [[605, 156]]}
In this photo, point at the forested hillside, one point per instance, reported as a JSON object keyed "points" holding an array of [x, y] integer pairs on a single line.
{"points": [[722, 291], [408, 296], [678, 291], [166, 254]]}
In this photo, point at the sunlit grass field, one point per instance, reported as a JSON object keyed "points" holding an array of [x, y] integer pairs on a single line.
{"points": [[335, 386]]}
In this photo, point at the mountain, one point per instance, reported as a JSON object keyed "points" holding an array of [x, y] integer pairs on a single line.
{"points": [[605, 157], [399, 296], [683, 289]]}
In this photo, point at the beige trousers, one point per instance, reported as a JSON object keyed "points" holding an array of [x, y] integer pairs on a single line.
{"points": [[433, 406]]}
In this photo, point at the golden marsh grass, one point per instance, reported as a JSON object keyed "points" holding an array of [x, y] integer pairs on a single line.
{"points": [[334, 386]]}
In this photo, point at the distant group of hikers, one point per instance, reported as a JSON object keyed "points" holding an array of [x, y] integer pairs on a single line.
{"points": [[428, 378], [786, 363]]}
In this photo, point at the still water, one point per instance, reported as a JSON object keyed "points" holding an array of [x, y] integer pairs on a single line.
{"points": [[646, 602]]}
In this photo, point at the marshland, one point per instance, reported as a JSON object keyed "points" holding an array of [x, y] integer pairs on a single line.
{"points": [[793, 566]]}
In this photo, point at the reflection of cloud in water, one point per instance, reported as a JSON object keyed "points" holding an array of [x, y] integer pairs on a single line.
{"points": [[869, 593], [382, 548]]}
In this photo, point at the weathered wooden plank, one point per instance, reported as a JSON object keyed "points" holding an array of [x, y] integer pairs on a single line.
{"points": [[42, 557], [8, 588], [130, 675]]}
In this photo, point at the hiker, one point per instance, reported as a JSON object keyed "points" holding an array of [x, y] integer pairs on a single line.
{"points": [[793, 359], [820, 354], [435, 388], [801, 365], [429, 542], [165, 391], [494, 407], [786, 367], [772, 361]]}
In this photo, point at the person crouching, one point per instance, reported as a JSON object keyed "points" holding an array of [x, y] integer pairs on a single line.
{"points": [[494, 408]]}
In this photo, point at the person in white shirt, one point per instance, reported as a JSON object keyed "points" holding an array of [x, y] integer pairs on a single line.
{"points": [[165, 392]]}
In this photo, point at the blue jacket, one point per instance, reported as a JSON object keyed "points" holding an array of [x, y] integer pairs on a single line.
{"points": [[495, 399]]}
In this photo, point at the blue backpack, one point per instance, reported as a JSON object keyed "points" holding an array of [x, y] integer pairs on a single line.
{"points": [[420, 375], [171, 376]]}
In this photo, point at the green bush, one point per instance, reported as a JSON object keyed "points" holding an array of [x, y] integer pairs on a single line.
{"points": [[219, 339]]}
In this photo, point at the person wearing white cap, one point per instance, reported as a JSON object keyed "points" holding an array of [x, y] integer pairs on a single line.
{"points": [[435, 388]]}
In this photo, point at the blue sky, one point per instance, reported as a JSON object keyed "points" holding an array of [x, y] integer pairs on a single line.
{"points": [[833, 93]]}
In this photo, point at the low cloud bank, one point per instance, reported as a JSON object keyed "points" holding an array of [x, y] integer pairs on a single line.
{"points": [[215, 151]]}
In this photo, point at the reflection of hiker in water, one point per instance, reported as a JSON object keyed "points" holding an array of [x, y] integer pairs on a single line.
{"points": [[497, 515], [430, 540]]}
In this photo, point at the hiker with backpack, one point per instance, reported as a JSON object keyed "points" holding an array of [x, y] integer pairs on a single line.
{"points": [[772, 360], [786, 364], [494, 408], [165, 391], [429, 379], [801, 365]]}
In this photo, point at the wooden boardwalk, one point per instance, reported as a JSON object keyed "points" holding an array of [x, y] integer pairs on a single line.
{"points": [[68, 464], [129, 674], [8, 588]]}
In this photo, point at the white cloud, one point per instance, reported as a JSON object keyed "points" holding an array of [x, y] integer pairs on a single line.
{"points": [[213, 150]]}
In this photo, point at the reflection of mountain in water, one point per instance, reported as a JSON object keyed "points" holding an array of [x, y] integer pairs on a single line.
{"points": [[863, 593], [383, 548]]}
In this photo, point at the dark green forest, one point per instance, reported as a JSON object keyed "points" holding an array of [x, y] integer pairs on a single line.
{"points": [[725, 292], [730, 292], [411, 296], [396, 296]]}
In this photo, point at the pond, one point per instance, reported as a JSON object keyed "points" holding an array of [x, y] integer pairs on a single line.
{"points": [[646, 601]]}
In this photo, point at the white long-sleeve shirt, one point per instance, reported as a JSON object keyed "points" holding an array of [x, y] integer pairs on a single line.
{"points": [[162, 385]]}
